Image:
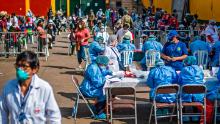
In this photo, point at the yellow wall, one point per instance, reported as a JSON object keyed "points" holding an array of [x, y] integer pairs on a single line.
{"points": [[216, 10], [206, 9], [68, 7], [53, 5], [164, 4], [27, 6], [146, 3]]}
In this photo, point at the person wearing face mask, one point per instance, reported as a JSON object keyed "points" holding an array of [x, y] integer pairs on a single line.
{"points": [[97, 27], [28, 99], [174, 52], [191, 74], [82, 36], [150, 44], [102, 33], [112, 53], [96, 48], [124, 31], [124, 46], [93, 83], [162, 75], [211, 32]]}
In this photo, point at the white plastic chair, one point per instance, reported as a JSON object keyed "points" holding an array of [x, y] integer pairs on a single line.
{"points": [[151, 57], [202, 57], [127, 56]]}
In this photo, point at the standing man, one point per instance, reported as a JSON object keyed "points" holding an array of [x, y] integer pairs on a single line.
{"points": [[124, 31], [174, 52], [211, 32], [28, 99]]}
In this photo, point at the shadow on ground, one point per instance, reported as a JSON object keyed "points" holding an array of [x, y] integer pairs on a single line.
{"points": [[61, 54], [59, 67], [71, 96], [63, 41], [60, 46], [74, 72]]}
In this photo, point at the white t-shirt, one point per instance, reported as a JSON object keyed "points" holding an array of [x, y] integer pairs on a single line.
{"points": [[213, 31], [120, 34]]}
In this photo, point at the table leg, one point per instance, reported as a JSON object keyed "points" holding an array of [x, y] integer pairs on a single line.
{"points": [[107, 104]]}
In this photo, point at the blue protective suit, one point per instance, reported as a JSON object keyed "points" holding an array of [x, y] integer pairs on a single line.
{"points": [[94, 80], [175, 50], [199, 45], [95, 49], [218, 74], [216, 49], [191, 75], [125, 45], [212, 88], [150, 45], [158, 76]]}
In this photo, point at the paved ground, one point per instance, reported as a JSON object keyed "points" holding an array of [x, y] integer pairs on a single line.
{"points": [[57, 71]]}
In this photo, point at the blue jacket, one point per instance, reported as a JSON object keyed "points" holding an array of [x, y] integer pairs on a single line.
{"points": [[94, 50], [94, 80], [158, 76], [191, 75]]}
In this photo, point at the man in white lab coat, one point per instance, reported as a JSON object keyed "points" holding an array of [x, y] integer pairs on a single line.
{"points": [[28, 99]]}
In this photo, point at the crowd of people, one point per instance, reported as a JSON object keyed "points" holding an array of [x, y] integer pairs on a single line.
{"points": [[175, 62]]}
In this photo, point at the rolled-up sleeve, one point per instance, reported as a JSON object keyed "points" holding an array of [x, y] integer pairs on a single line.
{"points": [[52, 110]]}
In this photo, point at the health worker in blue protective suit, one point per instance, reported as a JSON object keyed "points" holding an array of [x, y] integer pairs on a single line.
{"points": [[150, 44], [174, 52], [212, 89], [96, 48], [162, 75], [199, 44], [124, 46], [191, 74], [94, 80], [216, 54]]}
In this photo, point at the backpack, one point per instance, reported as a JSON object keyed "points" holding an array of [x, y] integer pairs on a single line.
{"points": [[127, 19]]}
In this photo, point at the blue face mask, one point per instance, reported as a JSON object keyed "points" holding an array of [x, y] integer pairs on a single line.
{"points": [[21, 75]]}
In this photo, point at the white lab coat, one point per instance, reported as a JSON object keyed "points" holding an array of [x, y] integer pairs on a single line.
{"points": [[213, 31], [40, 108], [113, 55]]}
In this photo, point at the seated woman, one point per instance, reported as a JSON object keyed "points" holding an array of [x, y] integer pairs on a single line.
{"points": [[124, 46], [96, 49], [112, 53], [162, 75], [191, 74], [94, 80], [150, 44]]}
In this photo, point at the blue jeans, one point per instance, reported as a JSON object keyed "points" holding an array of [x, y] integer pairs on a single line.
{"points": [[81, 54]]}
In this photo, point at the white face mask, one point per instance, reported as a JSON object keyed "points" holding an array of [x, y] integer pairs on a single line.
{"points": [[102, 30]]}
